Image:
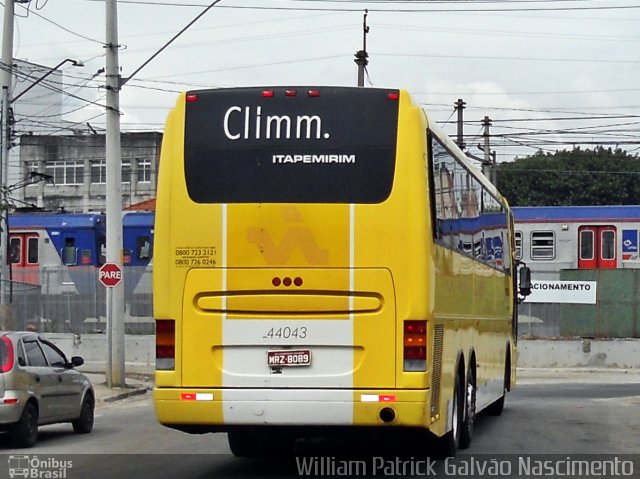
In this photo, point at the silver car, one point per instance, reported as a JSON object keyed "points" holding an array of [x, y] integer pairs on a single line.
{"points": [[38, 386]]}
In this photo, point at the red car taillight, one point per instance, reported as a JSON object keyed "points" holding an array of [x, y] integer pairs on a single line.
{"points": [[165, 344], [415, 346], [6, 354]]}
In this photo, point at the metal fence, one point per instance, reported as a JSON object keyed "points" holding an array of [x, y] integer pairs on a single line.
{"points": [[71, 300], [615, 313]]}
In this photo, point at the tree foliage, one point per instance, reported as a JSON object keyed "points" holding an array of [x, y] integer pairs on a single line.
{"points": [[601, 176]]}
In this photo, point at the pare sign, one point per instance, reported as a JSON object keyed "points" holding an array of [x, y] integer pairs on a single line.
{"points": [[110, 275]]}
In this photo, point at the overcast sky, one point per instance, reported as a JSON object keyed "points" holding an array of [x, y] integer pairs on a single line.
{"points": [[571, 69]]}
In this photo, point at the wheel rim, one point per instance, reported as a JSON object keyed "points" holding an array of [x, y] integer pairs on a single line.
{"points": [[471, 402]]}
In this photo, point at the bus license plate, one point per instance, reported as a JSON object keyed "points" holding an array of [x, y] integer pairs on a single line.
{"points": [[289, 357]]}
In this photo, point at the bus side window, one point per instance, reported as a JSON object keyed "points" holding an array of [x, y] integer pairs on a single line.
{"points": [[143, 248], [69, 252]]}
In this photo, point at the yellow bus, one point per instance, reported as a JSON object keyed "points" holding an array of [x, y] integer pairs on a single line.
{"points": [[326, 260]]}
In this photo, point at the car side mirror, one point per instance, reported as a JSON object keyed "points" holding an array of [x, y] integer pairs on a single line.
{"points": [[77, 361], [525, 281]]}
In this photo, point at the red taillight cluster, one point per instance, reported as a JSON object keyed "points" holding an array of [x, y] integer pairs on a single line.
{"points": [[289, 92], [165, 344], [6, 354], [415, 346], [286, 282]]}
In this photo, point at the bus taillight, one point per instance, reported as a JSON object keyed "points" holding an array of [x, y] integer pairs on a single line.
{"points": [[165, 344], [415, 346]]}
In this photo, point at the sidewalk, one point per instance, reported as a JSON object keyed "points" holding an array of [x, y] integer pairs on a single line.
{"points": [[578, 375], [136, 385]]}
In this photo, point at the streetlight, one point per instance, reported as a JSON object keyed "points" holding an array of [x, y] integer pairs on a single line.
{"points": [[75, 63]]}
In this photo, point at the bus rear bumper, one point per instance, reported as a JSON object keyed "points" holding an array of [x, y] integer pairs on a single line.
{"points": [[222, 409]]}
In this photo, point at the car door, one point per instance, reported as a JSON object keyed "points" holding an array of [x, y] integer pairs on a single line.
{"points": [[43, 382], [69, 391]]}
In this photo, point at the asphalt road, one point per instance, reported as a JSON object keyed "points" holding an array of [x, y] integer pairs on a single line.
{"points": [[550, 418]]}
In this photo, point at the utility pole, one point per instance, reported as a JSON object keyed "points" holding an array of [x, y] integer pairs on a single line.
{"points": [[6, 73], [114, 295], [459, 107], [362, 55], [489, 161]]}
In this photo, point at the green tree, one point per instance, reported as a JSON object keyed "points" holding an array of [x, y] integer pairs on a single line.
{"points": [[601, 176]]}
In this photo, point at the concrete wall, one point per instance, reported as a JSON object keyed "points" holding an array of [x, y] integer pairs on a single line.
{"points": [[617, 353], [612, 353], [140, 352]]}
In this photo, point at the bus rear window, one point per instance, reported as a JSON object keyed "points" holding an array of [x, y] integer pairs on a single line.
{"points": [[290, 145]]}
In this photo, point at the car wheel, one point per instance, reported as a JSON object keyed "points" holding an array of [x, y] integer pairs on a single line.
{"points": [[84, 423], [25, 432]]}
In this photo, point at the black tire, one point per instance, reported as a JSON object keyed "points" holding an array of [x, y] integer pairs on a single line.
{"points": [[449, 443], [84, 423], [468, 423], [25, 432], [257, 443], [495, 408]]}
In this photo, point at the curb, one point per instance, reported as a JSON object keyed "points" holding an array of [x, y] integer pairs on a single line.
{"points": [[136, 391]]}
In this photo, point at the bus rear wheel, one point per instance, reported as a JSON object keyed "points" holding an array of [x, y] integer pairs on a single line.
{"points": [[468, 423], [448, 444], [254, 442], [495, 408]]}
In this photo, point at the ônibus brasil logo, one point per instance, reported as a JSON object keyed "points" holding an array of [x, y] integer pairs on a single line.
{"points": [[33, 467]]}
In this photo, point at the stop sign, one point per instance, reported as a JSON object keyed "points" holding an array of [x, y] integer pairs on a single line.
{"points": [[110, 274]]}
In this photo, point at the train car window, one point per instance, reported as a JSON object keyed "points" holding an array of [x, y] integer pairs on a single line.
{"points": [[15, 250], [143, 247], [126, 255], [85, 256], [543, 245], [608, 245], [586, 245], [102, 248], [69, 252], [518, 238], [32, 250]]}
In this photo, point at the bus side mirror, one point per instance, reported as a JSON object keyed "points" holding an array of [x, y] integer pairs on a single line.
{"points": [[525, 280]]}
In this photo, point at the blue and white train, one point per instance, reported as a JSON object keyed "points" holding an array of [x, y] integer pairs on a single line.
{"points": [[551, 238], [58, 250]]}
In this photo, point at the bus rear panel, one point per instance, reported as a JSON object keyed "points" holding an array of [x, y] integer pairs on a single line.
{"points": [[295, 275]]}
